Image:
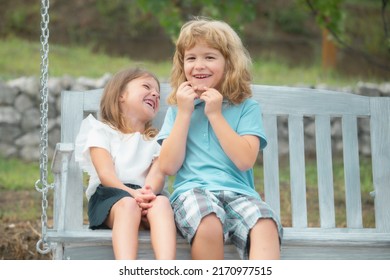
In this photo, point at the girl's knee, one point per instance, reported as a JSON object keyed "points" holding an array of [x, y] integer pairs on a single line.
{"points": [[125, 209], [162, 199], [126, 204], [161, 207]]}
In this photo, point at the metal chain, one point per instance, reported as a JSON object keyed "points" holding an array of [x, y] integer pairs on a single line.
{"points": [[42, 185]]}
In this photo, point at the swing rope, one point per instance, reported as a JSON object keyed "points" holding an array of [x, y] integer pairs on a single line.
{"points": [[42, 185]]}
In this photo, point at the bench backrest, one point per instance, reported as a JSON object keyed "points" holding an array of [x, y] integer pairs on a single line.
{"points": [[295, 104]]}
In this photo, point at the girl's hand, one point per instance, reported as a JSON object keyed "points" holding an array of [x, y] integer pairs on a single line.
{"points": [[185, 97], [213, 99], [144, 197]]}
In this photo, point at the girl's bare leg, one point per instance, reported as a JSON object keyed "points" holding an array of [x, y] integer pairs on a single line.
{"points": [[162, 229], [124, 219], [208, 241], [264, 241]]}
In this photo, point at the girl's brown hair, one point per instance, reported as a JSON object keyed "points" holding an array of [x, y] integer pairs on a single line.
{"points": [[219, 35], [110, 112]]}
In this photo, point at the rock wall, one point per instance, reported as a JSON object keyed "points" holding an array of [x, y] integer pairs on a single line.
{"points": [[20, 115]]}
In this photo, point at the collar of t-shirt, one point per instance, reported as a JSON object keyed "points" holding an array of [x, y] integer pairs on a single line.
{"points": [[199, 101]]}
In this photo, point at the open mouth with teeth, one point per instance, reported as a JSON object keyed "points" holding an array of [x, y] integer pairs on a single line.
{"points": [[151, 103], [203, 76]]}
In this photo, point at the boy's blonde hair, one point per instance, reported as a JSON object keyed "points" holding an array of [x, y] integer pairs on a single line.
{"points": [[110, 112], [219, 35]]}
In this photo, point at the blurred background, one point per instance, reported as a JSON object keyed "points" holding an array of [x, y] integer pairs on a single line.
{"points": [[344, 37], [332, 44]]}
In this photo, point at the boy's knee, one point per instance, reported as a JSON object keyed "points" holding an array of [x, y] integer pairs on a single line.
{"points": [[210, 225], [266, 225]]}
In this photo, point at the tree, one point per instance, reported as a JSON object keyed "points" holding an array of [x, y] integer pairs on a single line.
{"points": [[172, 14], [329, 17]]}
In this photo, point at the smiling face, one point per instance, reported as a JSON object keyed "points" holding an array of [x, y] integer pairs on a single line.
{"points": [[204, 66], [140, 101]]}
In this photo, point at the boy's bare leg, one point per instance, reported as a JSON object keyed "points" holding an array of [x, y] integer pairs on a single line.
{"points": [[264, 241], [208, 241]]}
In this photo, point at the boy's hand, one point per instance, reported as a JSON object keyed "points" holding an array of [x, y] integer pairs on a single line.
{"points": [[213, 99], [185, 97]]}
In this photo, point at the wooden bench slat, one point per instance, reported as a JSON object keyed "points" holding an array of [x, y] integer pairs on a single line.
{"points": [[297, 171], [325, 171], [353, 199], [279, 100], [90, 100], [73, 102], [380, 141], [271, 163]]}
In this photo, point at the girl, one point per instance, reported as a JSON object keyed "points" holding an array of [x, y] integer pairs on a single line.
{"points": [[210, 140], [121, 156]]}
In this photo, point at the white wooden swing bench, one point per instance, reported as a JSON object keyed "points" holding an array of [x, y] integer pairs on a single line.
{"points": [[72, 239]]}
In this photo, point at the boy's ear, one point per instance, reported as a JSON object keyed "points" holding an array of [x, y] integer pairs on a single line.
{"points": [[122, 97]]}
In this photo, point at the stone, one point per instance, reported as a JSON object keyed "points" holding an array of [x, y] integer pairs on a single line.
{"points": [[7, 94], [9, 115], [23, 103]]}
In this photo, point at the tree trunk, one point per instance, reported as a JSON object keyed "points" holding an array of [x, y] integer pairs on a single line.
{"points": [[329, 51]]}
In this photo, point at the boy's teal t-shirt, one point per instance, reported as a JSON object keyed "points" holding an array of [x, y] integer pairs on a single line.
{"points": [[206, 165]]}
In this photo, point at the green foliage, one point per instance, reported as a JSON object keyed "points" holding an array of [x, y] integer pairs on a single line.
{"points": [[372, 36], [17, 19], [172, 14], [123, 16], [290, 20], [168, 14], [328, 14]]}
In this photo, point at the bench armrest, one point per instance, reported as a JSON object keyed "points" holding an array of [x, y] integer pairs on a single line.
{"points": [[60, 166], [62, 152]]}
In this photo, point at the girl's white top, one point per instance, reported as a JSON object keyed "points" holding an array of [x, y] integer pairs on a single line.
{"points": [[132, 153]]}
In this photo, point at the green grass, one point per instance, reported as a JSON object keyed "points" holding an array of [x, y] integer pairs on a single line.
{"points": [[20, 200], [271, 70], [18, 175], [22, 58]]}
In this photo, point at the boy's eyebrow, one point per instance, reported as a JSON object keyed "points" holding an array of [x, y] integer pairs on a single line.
{"points": [[207, 53]]}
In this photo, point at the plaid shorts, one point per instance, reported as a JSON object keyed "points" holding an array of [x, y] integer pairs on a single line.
{"points": [[238, 214]]}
